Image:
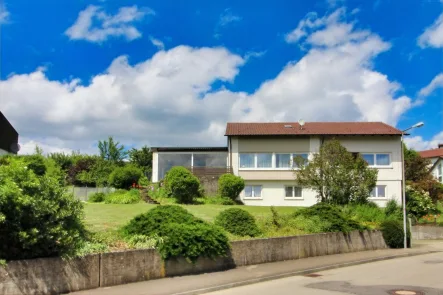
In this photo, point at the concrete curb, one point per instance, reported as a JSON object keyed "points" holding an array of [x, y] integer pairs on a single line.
{"points": [[300, 272]]}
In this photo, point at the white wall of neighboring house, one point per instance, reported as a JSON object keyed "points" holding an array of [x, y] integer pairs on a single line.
{"points": [[274, 180], [437, 170], [3, 152]]}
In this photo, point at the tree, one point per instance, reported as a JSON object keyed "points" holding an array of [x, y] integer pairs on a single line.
{"points": [[141, 158], [416, 167], [112, 151], [336, 175]]}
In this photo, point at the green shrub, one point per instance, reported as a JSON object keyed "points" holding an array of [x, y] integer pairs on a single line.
{"points": [[192, 241], [125, 177], [230, 186], [217, 201], [393, 210], [393, 233], [123, 197], [143, 242], [238, 222], [143, 181], [365, 213], [335, 220], [151, 222], [181, 184], [36, 163], [37, 217], [97, 197], [419, 203]]}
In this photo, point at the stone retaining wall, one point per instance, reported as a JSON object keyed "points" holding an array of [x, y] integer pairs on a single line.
{"points": [[55, 276], [427, 232]]}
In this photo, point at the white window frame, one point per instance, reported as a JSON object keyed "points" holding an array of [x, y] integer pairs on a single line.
{"points": [[274, 161], [440, 172], [293, 197], [376, 192], [374, 155], [253, 192]]}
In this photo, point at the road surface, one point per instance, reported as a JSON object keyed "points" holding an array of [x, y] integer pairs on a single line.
{"points": [[406, 276]]}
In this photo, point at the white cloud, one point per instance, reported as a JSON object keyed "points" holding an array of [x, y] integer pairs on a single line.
{"points": [[169, 99], [254, 54], [4, 14], [95, 25], [433, 35], [437, 82], [420, 144], [228, 17], [157, 43]]}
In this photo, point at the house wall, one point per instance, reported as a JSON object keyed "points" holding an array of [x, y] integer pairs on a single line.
{"points": [[273, 181], [437, 167], [3, 152]]}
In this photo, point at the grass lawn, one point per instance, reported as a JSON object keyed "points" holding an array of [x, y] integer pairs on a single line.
{"points": [[102, 217]]}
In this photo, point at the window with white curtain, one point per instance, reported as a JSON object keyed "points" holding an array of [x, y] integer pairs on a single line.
{"points": [[377, 160], [253, 191], [293, 192], [379, 191]]}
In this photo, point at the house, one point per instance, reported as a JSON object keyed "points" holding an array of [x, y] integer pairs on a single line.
{"points": [[8, 137], [262, 153], [436, 157]]}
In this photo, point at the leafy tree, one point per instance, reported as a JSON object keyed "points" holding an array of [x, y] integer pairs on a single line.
{"points": [[64, 161], [112, 151], [141, 158], [416, 167], [336, 175]]}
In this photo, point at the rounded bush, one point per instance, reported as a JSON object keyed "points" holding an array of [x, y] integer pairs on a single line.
{"points": [[181, 184], [151, 222], [230, 186], [97, 197], [37, 164], [37, 217], [192, 241], [123, 197], [393, 233], [238, 222], [125, 177]]}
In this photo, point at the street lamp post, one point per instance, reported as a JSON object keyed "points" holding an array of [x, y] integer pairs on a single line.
{"points": [[418, 125]]}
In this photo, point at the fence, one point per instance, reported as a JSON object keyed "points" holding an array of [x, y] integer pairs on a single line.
{"points": [[83, 193]]}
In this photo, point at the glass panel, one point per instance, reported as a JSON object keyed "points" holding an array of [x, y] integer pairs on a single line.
{"points": [[264, 160], [440, 170], [369, 158], [440, 178], [297, 192], [288, 193], [372, 194], [283, 160], [257, 191], [381, 191], [300, 158], [247, 161], [218, 160], [382, 159], [248, 191], [167, 161]]}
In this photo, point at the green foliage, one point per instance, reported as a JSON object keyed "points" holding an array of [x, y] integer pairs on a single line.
{"points": [[143, 181], [37, 217], [369, 214], [230, 186], [416, 167], [181, 184], [393, 233], [419, 203], [337, 176], [123, 197], [335, 220], [143, 242], [393, 210], [179, 232], [36, 163], [91, 248], [125, 177], [192, 241], [142, 158], [151, 222], [82, 164], [64, 161], [112, 151], [216, 201], [97, 198], [238, 222]]}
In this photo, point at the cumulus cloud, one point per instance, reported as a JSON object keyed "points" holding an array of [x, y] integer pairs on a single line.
{"points": [[433, 35], [169, 98], [95, 25], [420, 144], [4, 14], [437, 82], [227, 17], [157, 43]]}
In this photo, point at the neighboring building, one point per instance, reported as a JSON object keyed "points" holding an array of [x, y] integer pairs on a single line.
{"points": [[436, 157], [8, 137], [262, 153]]}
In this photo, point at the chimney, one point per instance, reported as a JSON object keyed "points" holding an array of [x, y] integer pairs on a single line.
{"points": [[440, 145]]}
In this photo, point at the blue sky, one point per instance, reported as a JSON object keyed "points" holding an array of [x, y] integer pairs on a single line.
{"points": [[163, 73]]}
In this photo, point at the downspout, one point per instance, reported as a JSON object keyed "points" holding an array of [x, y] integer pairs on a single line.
{"points": [[230, 153], [322, 141]]}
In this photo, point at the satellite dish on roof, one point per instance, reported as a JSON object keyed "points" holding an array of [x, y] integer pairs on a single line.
{"points": [[302, 123], [15, 147]]}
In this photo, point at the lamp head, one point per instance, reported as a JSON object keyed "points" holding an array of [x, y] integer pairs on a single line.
{"points": [[419, 124]]}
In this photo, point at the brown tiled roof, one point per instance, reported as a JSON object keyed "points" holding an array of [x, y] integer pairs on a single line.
{"points": [[432, 153], [311, 128]]}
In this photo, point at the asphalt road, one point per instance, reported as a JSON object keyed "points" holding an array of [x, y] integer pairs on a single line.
{"points": [[410, 275]]}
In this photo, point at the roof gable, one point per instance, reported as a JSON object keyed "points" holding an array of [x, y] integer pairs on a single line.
{"points": [[432, 153]]}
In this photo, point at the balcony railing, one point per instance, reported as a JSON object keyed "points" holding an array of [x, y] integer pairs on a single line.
{"points": [[209, 171]]}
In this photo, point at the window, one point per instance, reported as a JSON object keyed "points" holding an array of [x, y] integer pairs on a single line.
{"points": [[210, 160], [283, 160], [293, 192], [253, 191], [379, 192], [264, 160], [440, 172], [247, 161], [377, 160]]}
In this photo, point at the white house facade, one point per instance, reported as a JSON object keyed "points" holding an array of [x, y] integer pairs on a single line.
{"points": [[436, 158], [262, 153]]}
